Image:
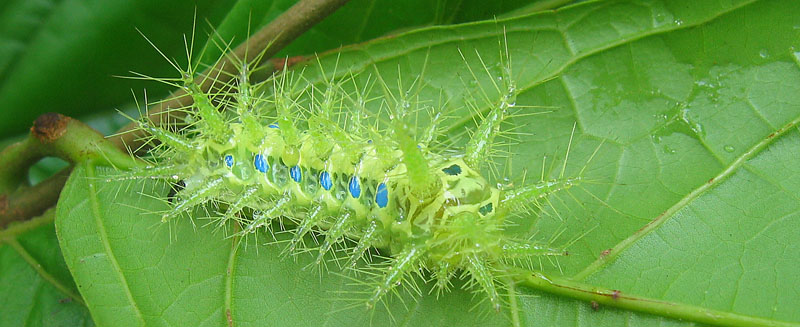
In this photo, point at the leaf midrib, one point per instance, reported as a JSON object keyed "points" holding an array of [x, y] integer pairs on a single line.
{"points": [[229, 272], [685, 201], [103, 235]]}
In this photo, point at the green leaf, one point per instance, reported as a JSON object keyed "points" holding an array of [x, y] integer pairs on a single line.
{"points": [[691, 197], [37, 287]]}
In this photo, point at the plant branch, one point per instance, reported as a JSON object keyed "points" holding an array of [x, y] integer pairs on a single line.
{"points": [[72, 140], [264, 44], [31, 201], [14, 163], [51, 135], [615, 298]]}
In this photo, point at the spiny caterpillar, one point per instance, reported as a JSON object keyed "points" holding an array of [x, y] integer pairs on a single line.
{"points": [[338, 161]]}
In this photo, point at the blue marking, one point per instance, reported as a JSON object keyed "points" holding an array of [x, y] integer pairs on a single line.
{"points": [[355, 187], [382, 195], [453, 170], [273, 126], [369, 141], [325, 180], [229, 160], [296, 174], [261, 163]]}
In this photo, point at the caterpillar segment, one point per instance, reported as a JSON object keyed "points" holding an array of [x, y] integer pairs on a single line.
{"points": [[306, 155]]}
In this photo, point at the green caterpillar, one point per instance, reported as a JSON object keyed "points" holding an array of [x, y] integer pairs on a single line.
{"points": [[342, 163]]}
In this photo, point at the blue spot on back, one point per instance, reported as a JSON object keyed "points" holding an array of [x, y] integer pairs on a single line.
{"points": [[273, 126], [229, 160], [325, 180], [382, 195], [261, 163], [296, 173], [355, 187], [453, 170]]}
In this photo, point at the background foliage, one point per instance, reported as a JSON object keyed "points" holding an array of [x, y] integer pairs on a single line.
{"points": [[691, 190]]}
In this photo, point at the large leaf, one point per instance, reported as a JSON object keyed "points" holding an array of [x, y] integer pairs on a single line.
{"points": [[692, 188], [37, 287]]}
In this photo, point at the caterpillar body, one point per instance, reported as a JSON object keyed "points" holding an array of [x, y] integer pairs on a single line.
{"points": [[317, 156]]}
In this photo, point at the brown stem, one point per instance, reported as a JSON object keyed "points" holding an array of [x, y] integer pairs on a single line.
{"points": [[14, 163], [74, 141], [51, 135], [56, 135], [264, 44], [32, 201]]}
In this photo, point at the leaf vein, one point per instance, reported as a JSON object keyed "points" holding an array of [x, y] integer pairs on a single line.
{"points": [[103, 234]]}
